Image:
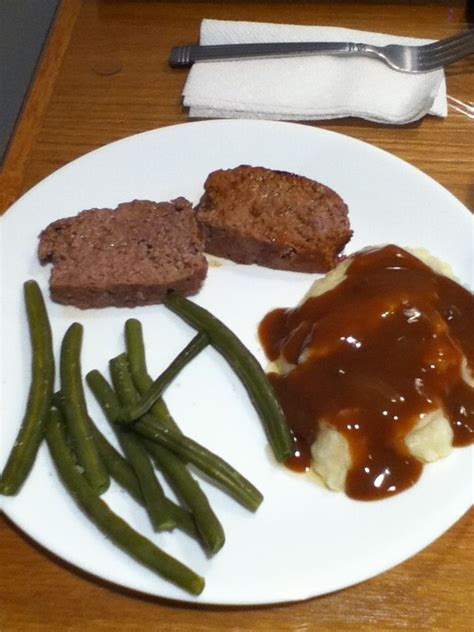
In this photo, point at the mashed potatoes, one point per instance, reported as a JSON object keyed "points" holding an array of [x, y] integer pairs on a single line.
{"points": [[368, 423], [431, 438]]}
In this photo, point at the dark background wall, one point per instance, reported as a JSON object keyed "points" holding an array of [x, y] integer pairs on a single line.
{"points": [[24, 26]]}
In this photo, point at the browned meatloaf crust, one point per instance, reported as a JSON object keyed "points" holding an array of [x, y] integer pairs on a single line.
{"points": [[273, 218], [129, 256]]}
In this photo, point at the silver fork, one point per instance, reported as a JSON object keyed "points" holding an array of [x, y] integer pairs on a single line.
{"points": [[413, 59]]}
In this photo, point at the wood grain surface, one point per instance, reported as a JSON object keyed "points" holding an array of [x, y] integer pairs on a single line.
{"points": [[104, 76]]}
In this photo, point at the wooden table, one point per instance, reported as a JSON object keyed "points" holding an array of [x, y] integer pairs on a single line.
{"points": [[103, 76]]}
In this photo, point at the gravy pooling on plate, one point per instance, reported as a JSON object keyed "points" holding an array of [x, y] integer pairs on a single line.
{"points": [[372, 358]]}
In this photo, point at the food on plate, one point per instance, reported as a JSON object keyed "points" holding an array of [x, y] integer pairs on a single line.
{"points": [[151, 428], [156, 506], [84, 458], [205, 521], [175, 470], [119, 532], [31, 431], [75, 410], [136, 409], [139, 252], [375, 371], [245, 366], [122, 472], [129, 256], [273, 218]]}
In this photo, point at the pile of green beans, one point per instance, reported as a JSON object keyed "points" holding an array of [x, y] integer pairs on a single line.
{"points": [[246, 367], [122, 472], [155, 500], [147, 434], [184, 447], [140, 407], [132, 542], [175, 471]]}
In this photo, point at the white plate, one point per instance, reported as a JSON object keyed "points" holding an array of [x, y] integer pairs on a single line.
{"points": [[304, 540]]}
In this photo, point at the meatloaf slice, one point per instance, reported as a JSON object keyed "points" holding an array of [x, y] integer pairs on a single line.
{"points": [[273, 218], [129, 256]]}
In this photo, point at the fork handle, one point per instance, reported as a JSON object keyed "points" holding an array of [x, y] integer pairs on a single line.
{"points": [[185, 56]]}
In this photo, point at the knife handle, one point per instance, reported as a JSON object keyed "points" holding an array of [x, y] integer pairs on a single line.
{"points": [[185, 56]]}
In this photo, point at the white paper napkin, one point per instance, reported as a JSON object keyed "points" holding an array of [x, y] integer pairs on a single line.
{"points": [[308, 88]]}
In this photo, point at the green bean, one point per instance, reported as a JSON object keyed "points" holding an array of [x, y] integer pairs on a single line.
{"points": [[114, 527], [121, 380], [188, 450], [117, 465], [176, 473], [75, 410], [216, 468], [186, 488], [137, 456], [136, 354], [130, 413], [30, 435], [104, 395], [142, 380], [121, 471], [247, 369]]}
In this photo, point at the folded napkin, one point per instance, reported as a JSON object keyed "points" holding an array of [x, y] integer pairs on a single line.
{"points": [[308, 88]]}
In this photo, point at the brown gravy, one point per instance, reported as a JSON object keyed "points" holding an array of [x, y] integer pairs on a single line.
{"points": [[384, 346]]}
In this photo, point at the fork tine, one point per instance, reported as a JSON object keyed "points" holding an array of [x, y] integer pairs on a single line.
{"points": [[449, 42], [430, 62], [440, 55]]}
